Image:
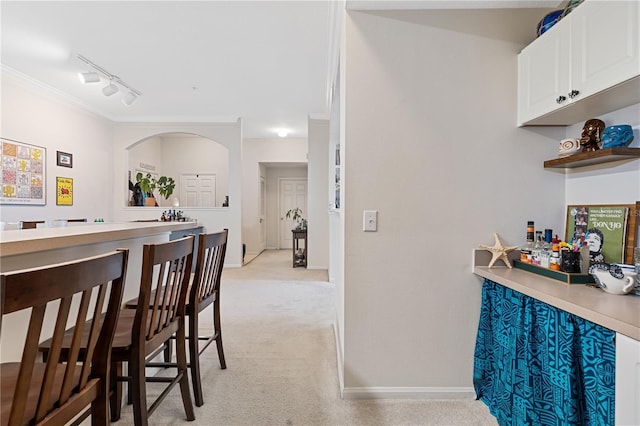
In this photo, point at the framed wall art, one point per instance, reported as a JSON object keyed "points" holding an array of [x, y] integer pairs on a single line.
{"points": [[64, 191], [23, 173], [64, 159]]}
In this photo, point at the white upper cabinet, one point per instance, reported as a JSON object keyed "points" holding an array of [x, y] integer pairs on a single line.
{"points": [[586, 65]]}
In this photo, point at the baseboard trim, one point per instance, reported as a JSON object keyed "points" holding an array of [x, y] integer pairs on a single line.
{"points": [[408, 393]]}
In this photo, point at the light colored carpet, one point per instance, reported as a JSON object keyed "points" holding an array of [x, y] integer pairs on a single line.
{"points": [[281, 365]]}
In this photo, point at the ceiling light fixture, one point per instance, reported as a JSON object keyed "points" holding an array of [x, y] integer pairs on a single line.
{"points": [[283, 133], [129, 98], [114, 85], [110, 89], [89, 77]]}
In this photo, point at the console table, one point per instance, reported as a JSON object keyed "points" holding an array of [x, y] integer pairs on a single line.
{"points": [[299, 253]]}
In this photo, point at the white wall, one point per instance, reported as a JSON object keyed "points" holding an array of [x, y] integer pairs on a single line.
{"points": [[431, 143], [318, 216], [256, 151], [213, 219], [189, 154], [34, 114]]}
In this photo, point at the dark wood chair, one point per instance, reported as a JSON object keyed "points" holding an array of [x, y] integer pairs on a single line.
{"points": [[53, 393], [141, 331], [204, 291]]}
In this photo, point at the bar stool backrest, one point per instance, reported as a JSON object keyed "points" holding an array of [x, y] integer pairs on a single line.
{"points": [[166, 267]]}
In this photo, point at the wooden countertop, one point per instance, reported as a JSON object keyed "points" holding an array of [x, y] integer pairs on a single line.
{"points": [[24, 241], [620, 313]]}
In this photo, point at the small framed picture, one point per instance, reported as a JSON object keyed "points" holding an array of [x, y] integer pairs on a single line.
{"points": [[65, 159]]}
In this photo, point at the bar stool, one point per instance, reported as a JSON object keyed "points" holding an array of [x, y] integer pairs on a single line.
{"points": [[36, 392], [204, 291]]}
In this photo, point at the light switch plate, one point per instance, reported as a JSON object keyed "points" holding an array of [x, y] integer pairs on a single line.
{"points": [[370, 221]]}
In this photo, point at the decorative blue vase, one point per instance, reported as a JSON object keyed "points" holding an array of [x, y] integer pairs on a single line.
{"points": [[616, 136]]}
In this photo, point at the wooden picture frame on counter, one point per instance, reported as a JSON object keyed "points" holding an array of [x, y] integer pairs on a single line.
{"points": [[623, 230]]}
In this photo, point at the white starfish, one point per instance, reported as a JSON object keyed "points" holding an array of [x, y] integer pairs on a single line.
{"points": [[499, 251]]}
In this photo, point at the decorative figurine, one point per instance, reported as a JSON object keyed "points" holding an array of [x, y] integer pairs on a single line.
{"points": [[617, 136], [591, 132], [499, 252]]}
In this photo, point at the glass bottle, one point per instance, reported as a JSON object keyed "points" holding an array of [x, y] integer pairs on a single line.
{"points": [[527, 248], [554, 262], [537, 249]]}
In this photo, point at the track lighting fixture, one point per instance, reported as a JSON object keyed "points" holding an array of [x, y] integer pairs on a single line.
{"points": [[114, 85], [129, 98], [89, 77], [110, 89]]}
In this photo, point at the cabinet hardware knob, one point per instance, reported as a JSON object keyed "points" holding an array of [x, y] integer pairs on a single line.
{"points": [[574, 93], [561, 99]]}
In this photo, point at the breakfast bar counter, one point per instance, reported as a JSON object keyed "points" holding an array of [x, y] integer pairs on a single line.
{"points": [[28, 248], [25, 241]]}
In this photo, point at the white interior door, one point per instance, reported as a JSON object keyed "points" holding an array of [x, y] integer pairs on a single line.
{"points": [[198, 190], [293, 193]]}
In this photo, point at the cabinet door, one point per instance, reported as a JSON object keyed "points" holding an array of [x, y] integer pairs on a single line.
{"points": [[543, 73], [627, 380], [605, 45]]}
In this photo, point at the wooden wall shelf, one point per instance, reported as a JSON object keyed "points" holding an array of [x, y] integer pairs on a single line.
{"points": [[589, 158]]}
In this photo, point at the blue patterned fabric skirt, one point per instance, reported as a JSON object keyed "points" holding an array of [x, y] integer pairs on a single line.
{"points": [[538, 365]]}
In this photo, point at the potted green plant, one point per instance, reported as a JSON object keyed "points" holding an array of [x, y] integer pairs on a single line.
{"points": [[148, 184], [296, 215]]}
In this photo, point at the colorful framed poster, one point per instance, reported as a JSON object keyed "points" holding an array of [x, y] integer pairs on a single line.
{"points": [[64, 191], [602, 227], [23, 173], [64, 159]]}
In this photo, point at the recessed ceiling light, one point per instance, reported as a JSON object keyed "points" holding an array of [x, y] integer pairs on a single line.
{"points": [[283, 133]]}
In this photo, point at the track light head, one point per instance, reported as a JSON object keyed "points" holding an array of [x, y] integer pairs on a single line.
{"points": [[129, 98], [110, 89], [89, 77]]}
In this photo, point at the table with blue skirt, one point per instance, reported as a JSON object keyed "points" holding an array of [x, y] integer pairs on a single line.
{"points": [[535, 364]]}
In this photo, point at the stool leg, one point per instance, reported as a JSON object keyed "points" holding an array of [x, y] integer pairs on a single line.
{"points": [[138, 389], [218, 332], [194, 359], [181, 355], [115, 400], [168, 351]]}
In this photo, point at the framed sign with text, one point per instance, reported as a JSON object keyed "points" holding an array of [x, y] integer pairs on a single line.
{"points": [[64, 191]]}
